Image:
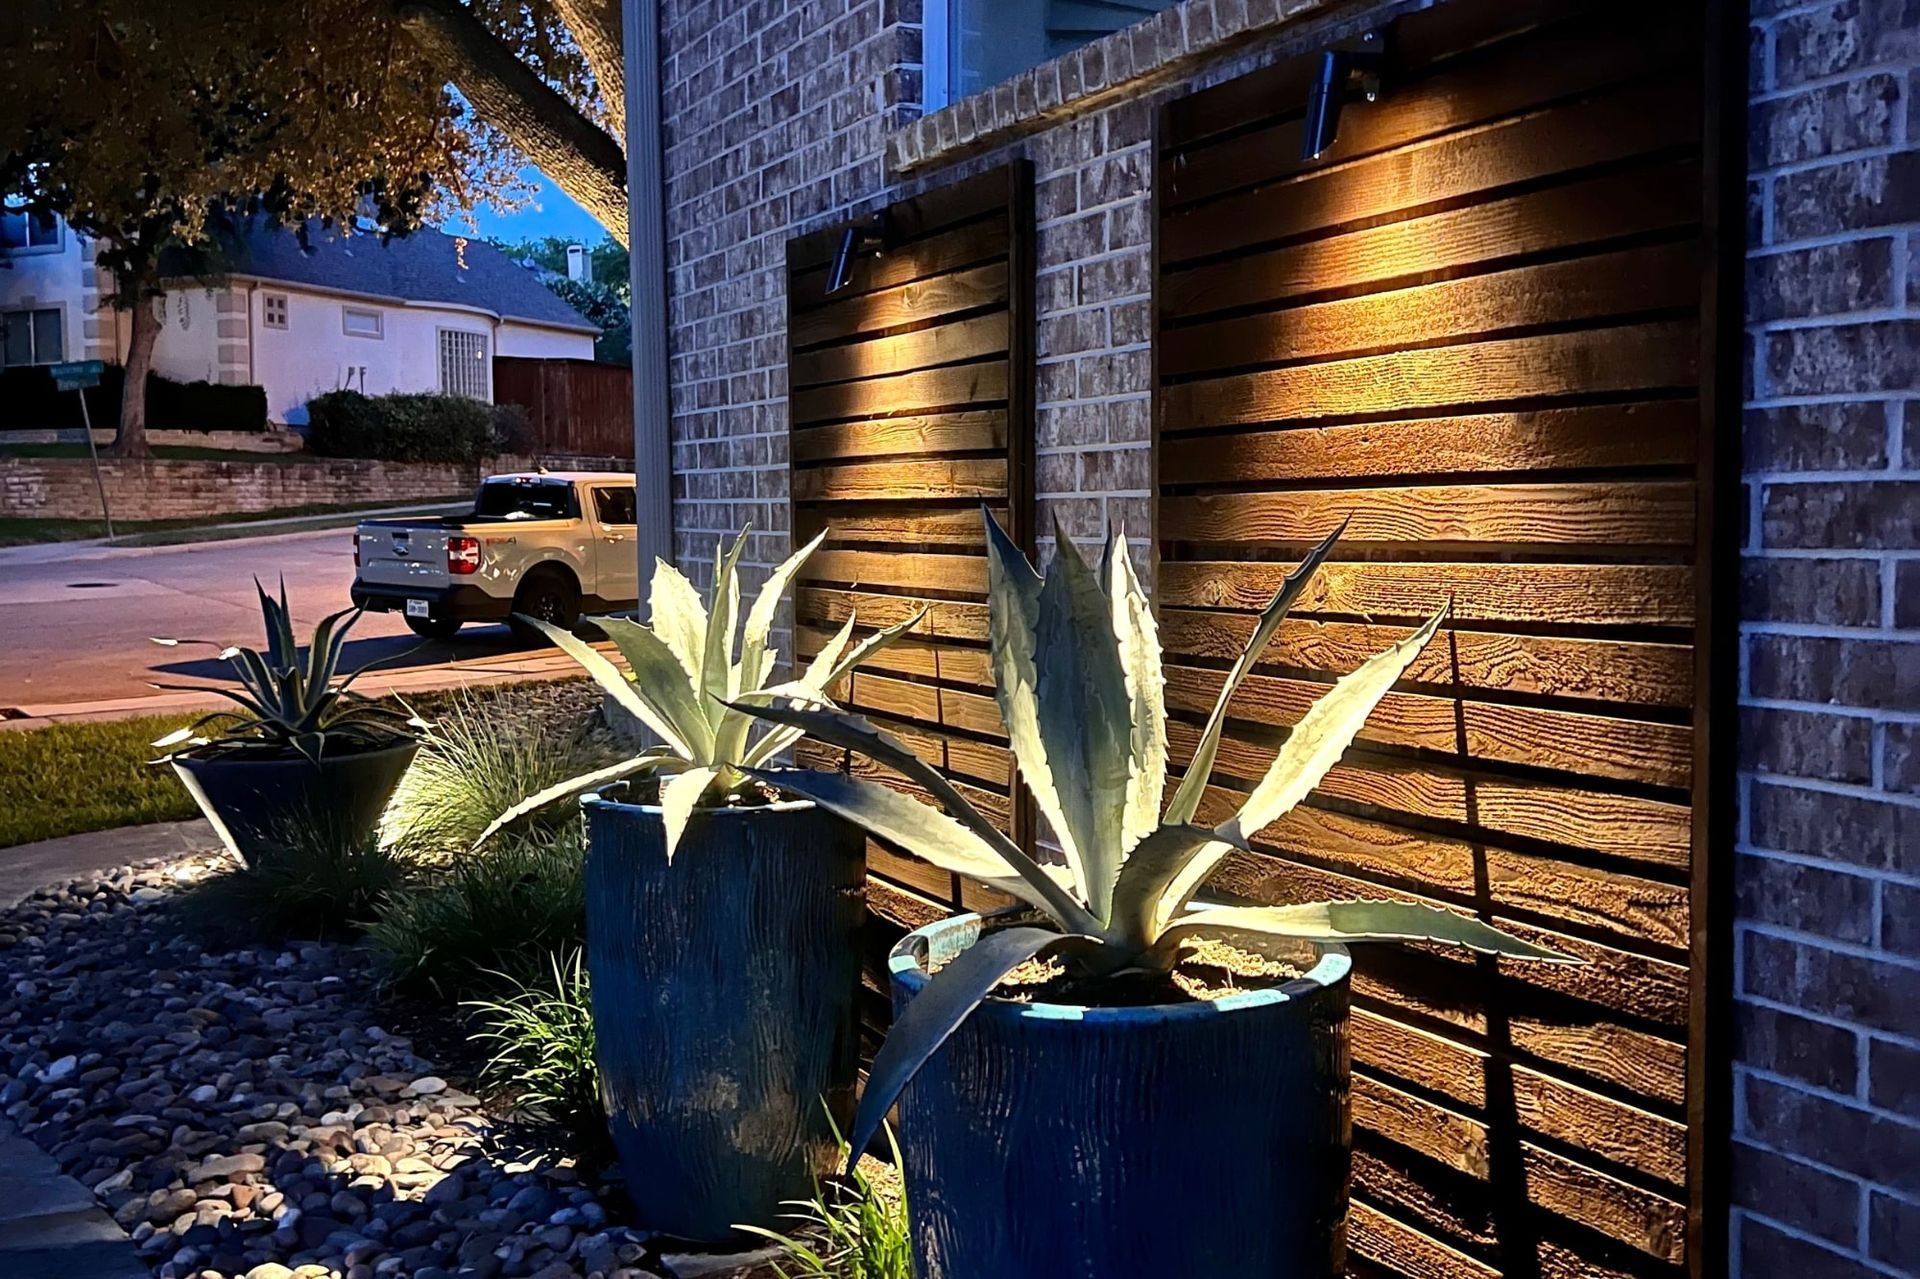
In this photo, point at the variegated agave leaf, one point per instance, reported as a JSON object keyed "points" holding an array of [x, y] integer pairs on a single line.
{"points": [[686, 672], [1311, 750], [1355, 921]]}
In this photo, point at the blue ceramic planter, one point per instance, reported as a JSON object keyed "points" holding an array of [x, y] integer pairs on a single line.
{"points": [[253, 802], [724, 992], [1183, 1141]]}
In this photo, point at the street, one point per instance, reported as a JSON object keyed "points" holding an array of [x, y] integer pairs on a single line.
{"points": [[75, 626]]}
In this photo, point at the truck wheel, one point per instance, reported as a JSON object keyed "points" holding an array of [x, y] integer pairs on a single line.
{"points": [[550, 596], [433, 628]]}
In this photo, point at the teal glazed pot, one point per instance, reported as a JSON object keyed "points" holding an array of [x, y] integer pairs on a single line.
{"points": [[252, 802], [724, 1006], [1179, 1141]]}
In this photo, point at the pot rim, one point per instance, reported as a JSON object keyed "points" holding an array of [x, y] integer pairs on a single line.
{"points": [[905, 966], [191, 755], [596, 799]]}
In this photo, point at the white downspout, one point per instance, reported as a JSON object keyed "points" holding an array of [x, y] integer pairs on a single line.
{"points": [[647, 240]]}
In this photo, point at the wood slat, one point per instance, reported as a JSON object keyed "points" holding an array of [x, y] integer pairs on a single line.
{"points": [[1618, 125], [1471, 660], [969, 339], [975, 431], [941, 254], [1583, 437], [1571, 741], [1662, 277], [1651, 513], [1661, 198], [952, 386], [949, 663], [939, 619], [1625, 827], [887, 309], [1626, 359], [884, 527], [1553, 594], [912, 481], [1615, 1131], [1593, 52], [906, 571]]}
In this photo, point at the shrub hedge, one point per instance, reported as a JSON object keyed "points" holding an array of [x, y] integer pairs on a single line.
{"points": [[30, 401], [406, 427]]}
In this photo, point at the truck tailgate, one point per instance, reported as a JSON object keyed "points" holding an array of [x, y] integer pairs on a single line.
{"points": [[399, 555]]}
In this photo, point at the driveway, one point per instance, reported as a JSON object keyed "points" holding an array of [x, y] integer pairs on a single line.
{"points": [[75, 624]]}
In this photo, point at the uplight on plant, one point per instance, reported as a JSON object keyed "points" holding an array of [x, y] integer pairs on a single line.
{"points": [[685, 671], [1076, 667]]}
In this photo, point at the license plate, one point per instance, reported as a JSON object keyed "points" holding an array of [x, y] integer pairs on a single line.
{"points": [[417, 608]]}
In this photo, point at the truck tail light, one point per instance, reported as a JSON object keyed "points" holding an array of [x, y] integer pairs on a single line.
{"points": [[356, 548], [463, 555]]}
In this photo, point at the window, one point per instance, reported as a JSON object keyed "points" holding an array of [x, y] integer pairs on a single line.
{"points": [[525, 498], [463, 364], [31, 337], [273, 311], [972, 45], [359, 322], [24, 232], [614, 505]]}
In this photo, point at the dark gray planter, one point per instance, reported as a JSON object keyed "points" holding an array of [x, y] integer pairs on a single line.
{"points": [[1044, 1141], [724, 989], [253, 802]]}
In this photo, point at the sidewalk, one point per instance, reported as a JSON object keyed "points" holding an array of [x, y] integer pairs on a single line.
{"points": [[98, 548], [27, 867], [50, 1226]]}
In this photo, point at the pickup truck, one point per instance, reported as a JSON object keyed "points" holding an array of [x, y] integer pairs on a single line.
{"points": [[546, 545]]}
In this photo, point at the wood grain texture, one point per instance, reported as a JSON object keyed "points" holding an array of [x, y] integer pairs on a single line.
{"points": [[1658, 199], [1629, 358], [977, 431], [910, 408], [1471, 329]]}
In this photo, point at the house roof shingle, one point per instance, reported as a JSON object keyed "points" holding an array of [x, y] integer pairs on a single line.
{"points": [[426, 266]]}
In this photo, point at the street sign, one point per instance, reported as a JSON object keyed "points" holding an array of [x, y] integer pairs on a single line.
{"points": [[77, 375]]}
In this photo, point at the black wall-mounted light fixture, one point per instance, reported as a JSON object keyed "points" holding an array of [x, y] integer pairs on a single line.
{"points": [[1370, 58], [867, 235]]}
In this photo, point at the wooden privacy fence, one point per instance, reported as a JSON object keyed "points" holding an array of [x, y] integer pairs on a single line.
{"points": [[1474, 326], [574, 406], [911, 393]]}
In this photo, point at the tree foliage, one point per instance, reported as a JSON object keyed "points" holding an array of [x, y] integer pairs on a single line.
{"points": [[150, 127]]}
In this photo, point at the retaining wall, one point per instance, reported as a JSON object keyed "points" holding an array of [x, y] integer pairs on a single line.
{"points": [[159, 489]]}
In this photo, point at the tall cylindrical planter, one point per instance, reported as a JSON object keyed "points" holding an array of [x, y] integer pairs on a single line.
{"points": [[724, 989], [1045, 1141], [255, 803]]}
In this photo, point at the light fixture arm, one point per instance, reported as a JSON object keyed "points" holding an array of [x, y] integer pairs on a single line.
{"points": [[1371, 59]]}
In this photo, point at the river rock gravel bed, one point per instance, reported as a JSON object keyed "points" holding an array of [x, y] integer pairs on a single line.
{"points": [[244, 1113]]}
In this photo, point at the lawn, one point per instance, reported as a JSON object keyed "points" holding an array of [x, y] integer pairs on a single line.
{"points": [[68, 778], [165, 452]]}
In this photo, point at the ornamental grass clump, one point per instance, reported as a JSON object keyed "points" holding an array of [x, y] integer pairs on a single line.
{"points": [[686, 669], [1076, 666], [540, 1033]]}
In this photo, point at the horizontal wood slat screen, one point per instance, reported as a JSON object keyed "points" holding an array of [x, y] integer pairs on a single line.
{"points": [[1473, 327], [911, 408]]}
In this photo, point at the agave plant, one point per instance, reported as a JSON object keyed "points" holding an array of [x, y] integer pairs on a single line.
{"points": [[686, 670], [1076, 666], [289, 701]]}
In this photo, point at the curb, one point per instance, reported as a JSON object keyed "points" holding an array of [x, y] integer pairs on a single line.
{"points": [[51, 1227]]}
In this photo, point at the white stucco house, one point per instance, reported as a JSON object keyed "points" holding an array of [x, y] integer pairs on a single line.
{"points": [[424, 312]]}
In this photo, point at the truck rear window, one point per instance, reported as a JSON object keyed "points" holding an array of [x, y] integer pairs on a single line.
{"points": [[525, 499]]}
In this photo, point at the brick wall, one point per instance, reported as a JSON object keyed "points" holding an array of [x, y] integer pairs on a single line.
{"points": [[778, 118], [1827, 1085], [169, 490]]}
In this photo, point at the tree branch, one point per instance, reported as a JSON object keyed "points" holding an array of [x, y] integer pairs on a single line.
{"points": [[595, 25], [586, 161]]}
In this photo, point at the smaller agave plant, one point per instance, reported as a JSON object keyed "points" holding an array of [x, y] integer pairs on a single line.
{"points": [[289, 702], [686, 666], [1076, 666]]}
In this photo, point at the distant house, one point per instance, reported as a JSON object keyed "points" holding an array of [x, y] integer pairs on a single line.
{"points": [[425, 312]]}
